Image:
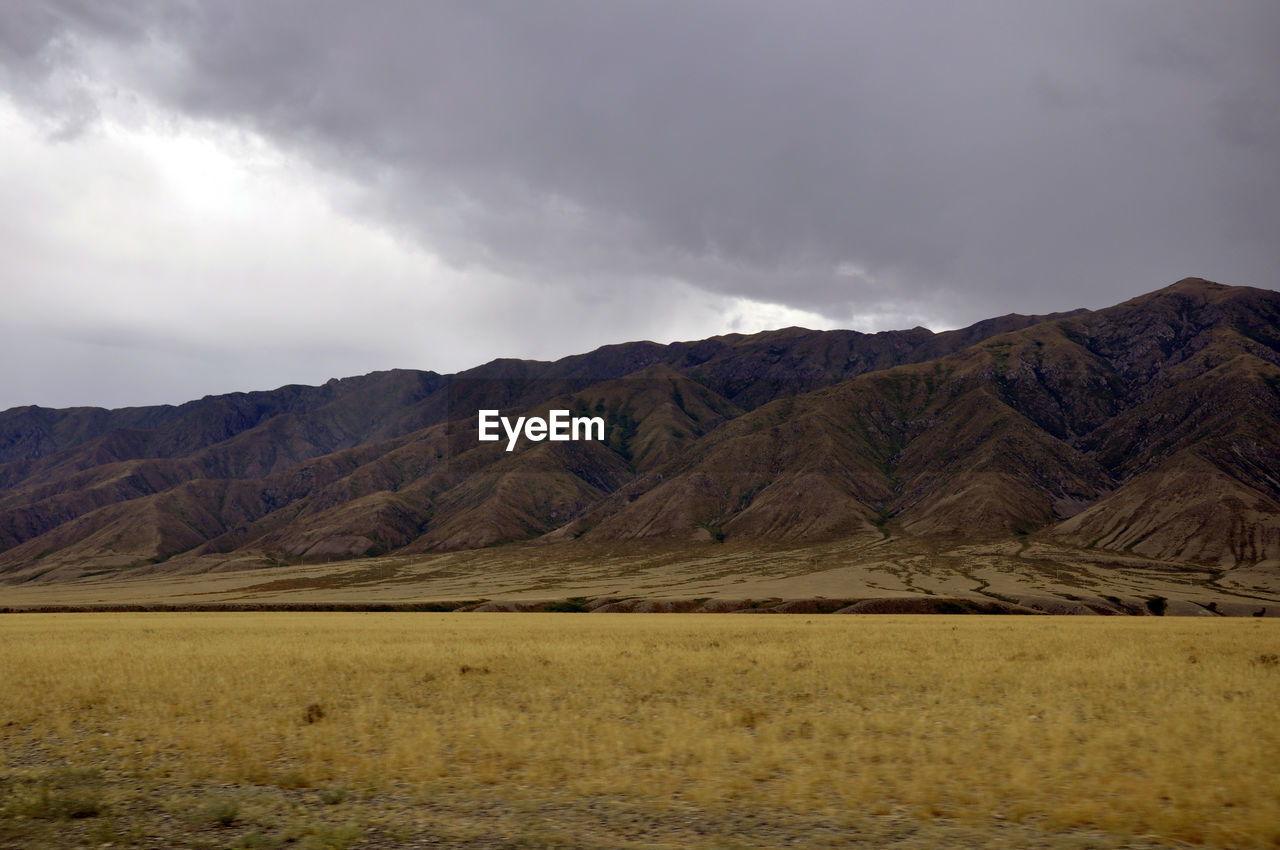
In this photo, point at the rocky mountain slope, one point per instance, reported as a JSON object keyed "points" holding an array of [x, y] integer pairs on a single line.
{"points": [[1150, 427]]}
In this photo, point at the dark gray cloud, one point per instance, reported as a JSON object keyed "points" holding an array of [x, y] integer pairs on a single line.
{"points": [[851, 159]]}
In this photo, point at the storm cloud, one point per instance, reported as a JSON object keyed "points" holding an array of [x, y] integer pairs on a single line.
{"points": [[534, 179]]}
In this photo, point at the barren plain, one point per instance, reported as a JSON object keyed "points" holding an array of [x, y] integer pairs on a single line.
{"points": [[654, 731], [1023, 577]]}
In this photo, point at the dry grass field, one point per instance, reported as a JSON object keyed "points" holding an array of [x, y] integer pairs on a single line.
{"points": [[559, 730]]}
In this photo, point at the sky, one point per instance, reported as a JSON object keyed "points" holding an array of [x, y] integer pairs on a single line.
{"points": [[200, 197]]}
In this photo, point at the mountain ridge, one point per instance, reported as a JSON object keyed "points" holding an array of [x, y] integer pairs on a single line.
{"points": [[1150, 427]]}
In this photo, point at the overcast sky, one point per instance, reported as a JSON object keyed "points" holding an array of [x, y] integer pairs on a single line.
{"points": [[203, 197]]}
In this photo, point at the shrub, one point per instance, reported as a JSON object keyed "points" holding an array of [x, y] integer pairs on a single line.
{"points": [[221, 811]]}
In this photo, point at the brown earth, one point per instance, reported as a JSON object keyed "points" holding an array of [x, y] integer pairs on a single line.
{"points": [[1147, 431]]}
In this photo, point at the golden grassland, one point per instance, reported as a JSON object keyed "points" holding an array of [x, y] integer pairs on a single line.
{"points": [[231, 729]]}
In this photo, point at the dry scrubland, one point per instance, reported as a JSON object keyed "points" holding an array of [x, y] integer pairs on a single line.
{"points": [[336, 730]]}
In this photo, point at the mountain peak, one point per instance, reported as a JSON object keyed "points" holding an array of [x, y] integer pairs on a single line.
{"points": [[1006, 429]]}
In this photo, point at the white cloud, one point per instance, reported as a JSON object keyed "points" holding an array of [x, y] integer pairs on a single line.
{"points": [[748, 316], [184, 238], [162, 259]]}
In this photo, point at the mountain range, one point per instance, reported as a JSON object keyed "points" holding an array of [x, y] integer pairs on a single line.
{"points": [[1150, 428]]}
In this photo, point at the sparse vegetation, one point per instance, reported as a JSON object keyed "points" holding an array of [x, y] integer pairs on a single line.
{"points": [[54, 795], [221, 811], [1055, 724], [333, 796], [576, 605]]}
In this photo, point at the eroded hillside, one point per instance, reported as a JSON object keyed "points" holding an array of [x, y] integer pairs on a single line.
{"points": [[1151, 428]]}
